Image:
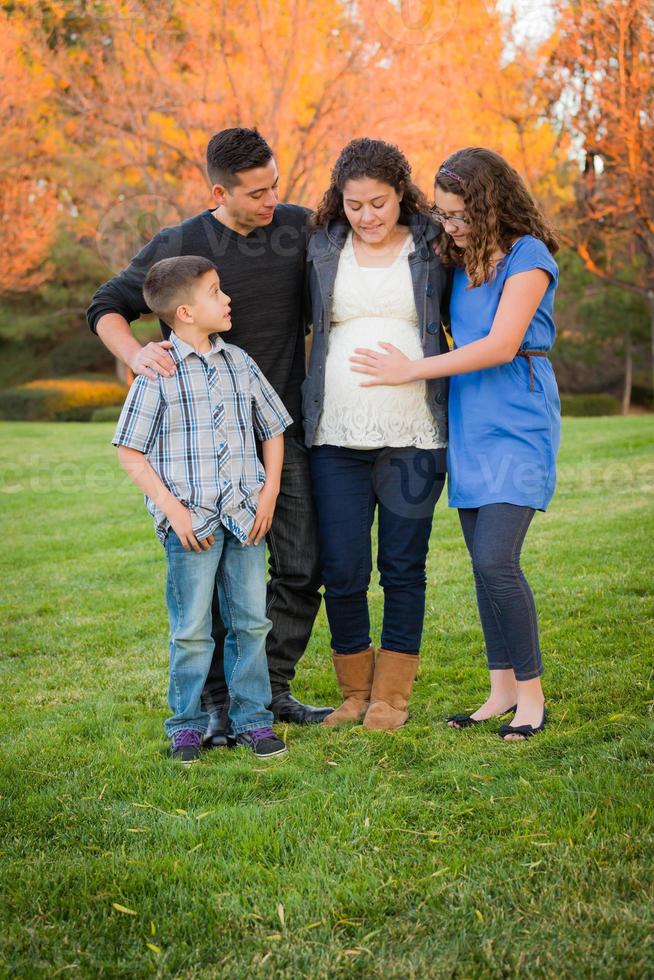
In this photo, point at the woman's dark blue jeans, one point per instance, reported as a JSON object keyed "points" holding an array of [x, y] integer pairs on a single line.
{"points": [[494, 535], [403, 485]]}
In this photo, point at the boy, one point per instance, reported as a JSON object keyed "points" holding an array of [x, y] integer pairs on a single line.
{"points": [[188, 441]]}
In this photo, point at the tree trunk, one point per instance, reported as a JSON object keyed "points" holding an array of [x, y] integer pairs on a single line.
{"points": [[628, 372], [123, 373]]}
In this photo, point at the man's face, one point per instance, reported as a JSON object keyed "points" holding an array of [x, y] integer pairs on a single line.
{"points": [[252, 201]]}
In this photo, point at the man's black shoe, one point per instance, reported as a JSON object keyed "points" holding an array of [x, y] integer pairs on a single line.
{"points": [[219, 734], [285, 708]]}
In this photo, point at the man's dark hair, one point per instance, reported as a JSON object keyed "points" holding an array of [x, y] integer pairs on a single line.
{"points": [[233, 150], [169, 283]]}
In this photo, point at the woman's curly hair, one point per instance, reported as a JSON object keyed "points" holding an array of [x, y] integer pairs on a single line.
{"points": [[370, 158], [498, 208]]}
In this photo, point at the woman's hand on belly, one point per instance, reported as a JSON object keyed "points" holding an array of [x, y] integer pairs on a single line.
{"points": [[390, 368]]}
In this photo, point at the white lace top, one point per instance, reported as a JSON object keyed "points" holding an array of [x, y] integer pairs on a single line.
{"points": [[372, 305]]}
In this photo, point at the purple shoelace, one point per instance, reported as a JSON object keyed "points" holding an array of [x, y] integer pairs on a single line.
{"points": [[259, 733], [187, 736]]}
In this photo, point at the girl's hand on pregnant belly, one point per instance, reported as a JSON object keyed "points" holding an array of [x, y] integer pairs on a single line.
{"points": [[392, 368]]}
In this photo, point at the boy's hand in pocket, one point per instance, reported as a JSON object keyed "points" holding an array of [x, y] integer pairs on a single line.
{"points": [[182, 524]]}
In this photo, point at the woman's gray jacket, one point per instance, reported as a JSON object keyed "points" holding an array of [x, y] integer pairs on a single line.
{"points": [[430, 289]]}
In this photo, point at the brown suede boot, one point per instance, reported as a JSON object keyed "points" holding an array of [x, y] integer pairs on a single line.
{"points": [[391, 690], [354, 672]]}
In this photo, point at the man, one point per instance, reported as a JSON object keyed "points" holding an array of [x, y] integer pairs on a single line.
{"points": [[258, 245]]}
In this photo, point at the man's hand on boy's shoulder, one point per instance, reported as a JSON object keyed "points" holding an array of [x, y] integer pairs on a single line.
{"points": [[182, 524], [265, 512], [153, 360]]}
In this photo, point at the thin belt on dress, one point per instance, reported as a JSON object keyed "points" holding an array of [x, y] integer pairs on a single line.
{"points": [[529, 354]]}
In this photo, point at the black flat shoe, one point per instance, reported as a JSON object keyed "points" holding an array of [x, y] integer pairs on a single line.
{"points": [[466, 721], [526, 731], [219, 734], [285, 708]]}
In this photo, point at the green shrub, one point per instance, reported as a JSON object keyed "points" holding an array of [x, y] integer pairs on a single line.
{"points": [[79, 354], [59, 400], [110, 413], [642, 395], [587, 405]]}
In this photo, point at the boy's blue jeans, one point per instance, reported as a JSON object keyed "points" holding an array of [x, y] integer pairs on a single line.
{"points": [[238, 572]]}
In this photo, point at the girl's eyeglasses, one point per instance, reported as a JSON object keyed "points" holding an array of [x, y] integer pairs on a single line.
{"points": [[443, 217]]}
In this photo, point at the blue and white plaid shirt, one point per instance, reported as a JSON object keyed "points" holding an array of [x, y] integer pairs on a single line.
{"points": [[197, 429]]}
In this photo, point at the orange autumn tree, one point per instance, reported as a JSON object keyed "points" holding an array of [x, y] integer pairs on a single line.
{"points": [[459, 79], [143, 85], [601, 70], [28, 205]]}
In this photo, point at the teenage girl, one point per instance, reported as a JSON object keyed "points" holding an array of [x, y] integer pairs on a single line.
{"points": [[504, 411]]}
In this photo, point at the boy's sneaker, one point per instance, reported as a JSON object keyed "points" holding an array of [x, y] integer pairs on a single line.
{"points": [[263, 742], [186, 746]]}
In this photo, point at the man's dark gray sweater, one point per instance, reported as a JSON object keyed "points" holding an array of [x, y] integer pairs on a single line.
{"points": [[262, 272]]}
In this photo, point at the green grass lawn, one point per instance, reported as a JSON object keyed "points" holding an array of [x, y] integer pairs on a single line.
{"points": [[424, 853]]}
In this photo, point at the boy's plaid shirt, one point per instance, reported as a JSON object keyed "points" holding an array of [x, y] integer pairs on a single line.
{"points": [[197, 430]]}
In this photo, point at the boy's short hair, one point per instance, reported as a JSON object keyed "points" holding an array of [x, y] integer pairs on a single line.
{"points": [[233, 150], [169, 283]]}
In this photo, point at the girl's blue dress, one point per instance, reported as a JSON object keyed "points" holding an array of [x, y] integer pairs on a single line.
{"points": [[504, 436]]}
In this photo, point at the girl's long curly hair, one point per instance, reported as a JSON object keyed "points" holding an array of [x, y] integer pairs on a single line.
{"points": [[498, 207], [370, 158]]}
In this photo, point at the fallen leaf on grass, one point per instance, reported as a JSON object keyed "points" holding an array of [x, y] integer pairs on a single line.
{"points": [[155, 949], [281, 914], [123, 909]]}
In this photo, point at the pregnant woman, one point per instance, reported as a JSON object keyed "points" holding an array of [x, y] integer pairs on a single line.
{"points": [[503, 408], [373, 274]]}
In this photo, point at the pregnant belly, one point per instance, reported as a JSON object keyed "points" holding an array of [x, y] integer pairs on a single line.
{"points": [[345, 337]]}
